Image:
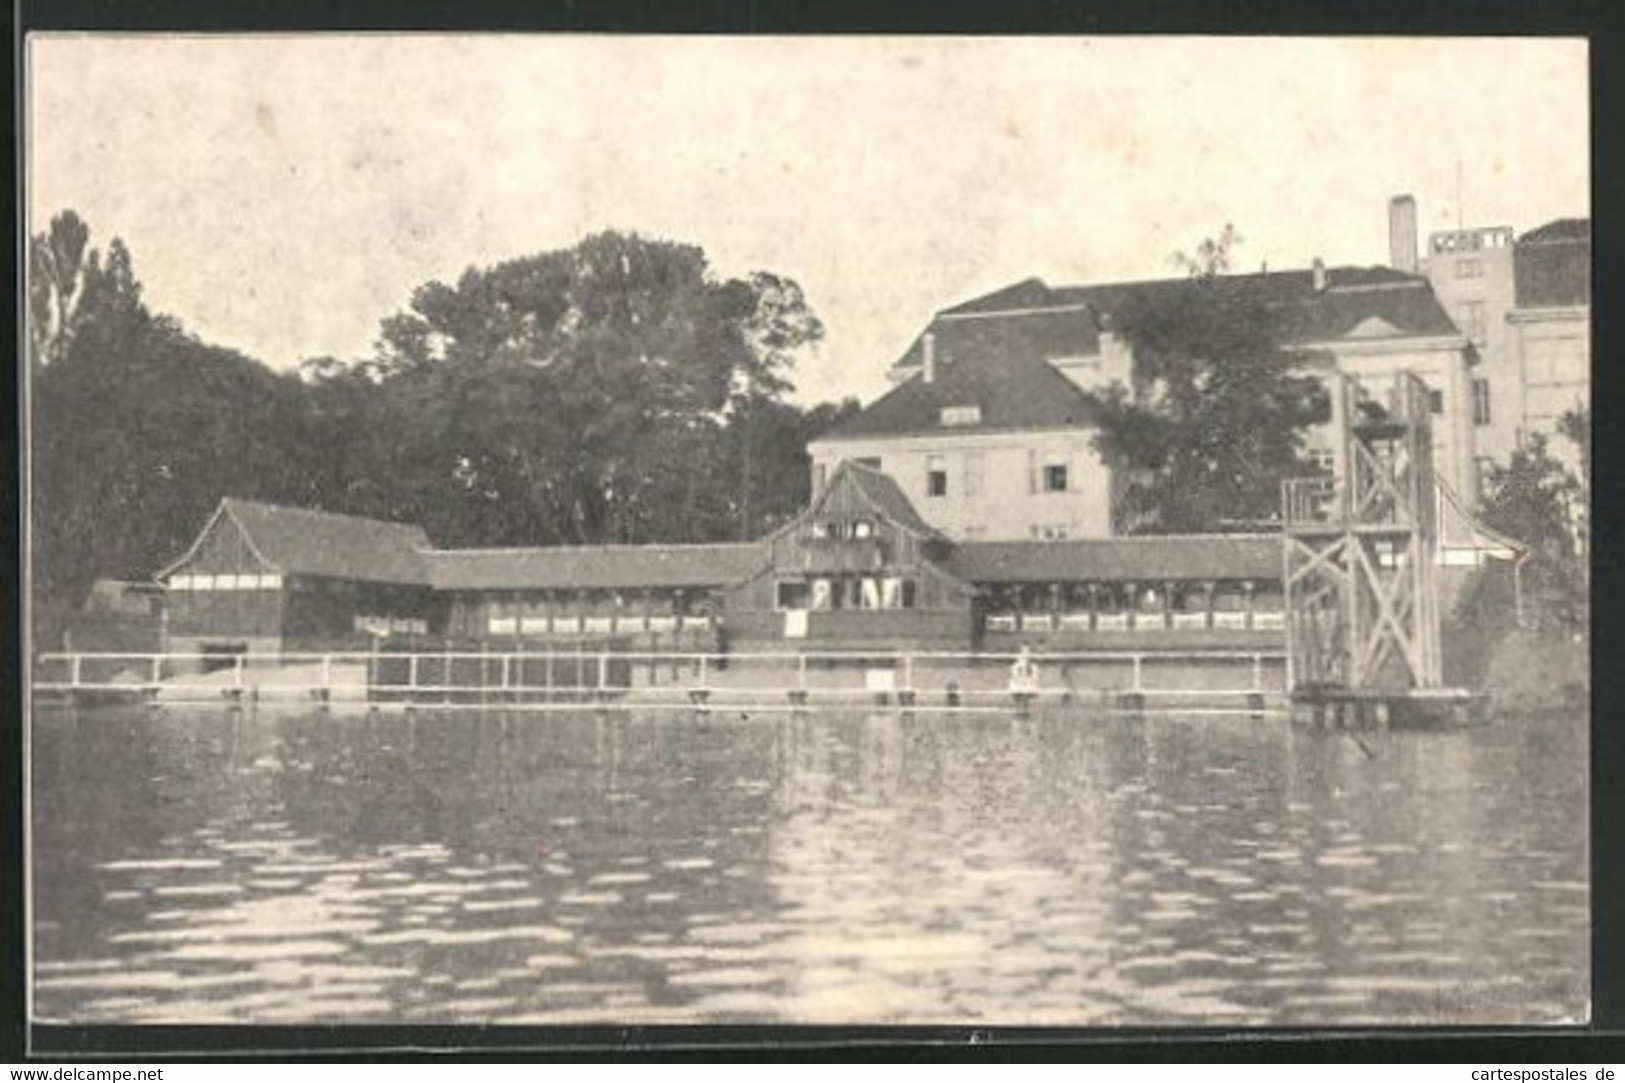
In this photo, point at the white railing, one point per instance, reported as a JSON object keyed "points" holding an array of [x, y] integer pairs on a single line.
{"points": [[565, 678]]}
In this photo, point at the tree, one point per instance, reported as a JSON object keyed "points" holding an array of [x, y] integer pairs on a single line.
{"points": [[56, 273], [1214, 419], [1212, 256], [565, 396], [1537, 500], [137, 430]]}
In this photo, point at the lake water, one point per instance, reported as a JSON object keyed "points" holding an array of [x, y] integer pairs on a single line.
{"points": [[200, 866]]}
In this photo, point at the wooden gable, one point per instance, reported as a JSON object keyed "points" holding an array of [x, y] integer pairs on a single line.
{"points": [[223, 548]]}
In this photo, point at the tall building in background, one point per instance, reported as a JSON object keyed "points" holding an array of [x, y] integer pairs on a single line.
{"points": [[1550, 323], [1524, 304], [1471, 274]]}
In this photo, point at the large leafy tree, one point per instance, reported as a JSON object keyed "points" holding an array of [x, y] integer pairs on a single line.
{"points": [[1215, 416], [578, 395], [137, 428], [615, 391], [1540, 501]]}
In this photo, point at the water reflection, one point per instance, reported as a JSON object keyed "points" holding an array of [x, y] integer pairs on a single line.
{"points": [[202, 866]]}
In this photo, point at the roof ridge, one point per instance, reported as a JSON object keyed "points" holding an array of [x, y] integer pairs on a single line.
{"points": [[266, 505], [636, 546]]}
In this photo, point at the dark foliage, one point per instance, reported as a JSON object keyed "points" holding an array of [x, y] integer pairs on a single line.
{"points": [[612, 392]]}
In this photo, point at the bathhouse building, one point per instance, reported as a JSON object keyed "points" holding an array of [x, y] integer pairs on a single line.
{"points": [[263, 579], [860, 567]]}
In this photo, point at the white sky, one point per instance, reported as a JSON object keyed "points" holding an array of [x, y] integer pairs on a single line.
{"points": [[281, 195]]}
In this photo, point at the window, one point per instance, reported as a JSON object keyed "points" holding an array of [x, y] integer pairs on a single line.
{"points": [[1055, 478], [961, 415], [793, 595], [823, 595], [820, 529], [1324, 460], [975, 468], [1436, 401], [1470, 268], [1471, 316], [862, 528], [936, 476], [868, 593], [1481, 402], [908, 594]]}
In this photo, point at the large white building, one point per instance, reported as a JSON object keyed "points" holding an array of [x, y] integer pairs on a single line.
{"points": [[1524, 303], [990, 434]]}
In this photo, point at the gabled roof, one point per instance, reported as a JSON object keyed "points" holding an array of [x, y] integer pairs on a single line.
{"points": [[607, 567], [1138, 559], [999, 369], [887, 497], [994, 351], [298, 541]]}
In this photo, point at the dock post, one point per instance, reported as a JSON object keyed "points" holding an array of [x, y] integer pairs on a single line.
{"points": [[1139, 685], [75, 671], [1258, 673], [411, 679], [324, 695], [798, 694]]}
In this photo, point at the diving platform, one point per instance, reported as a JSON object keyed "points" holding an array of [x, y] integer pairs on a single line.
{"points": [[1361, 556]]}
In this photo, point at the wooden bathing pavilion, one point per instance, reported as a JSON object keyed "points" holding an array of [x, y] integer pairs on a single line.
{"points": [[857, 593]]}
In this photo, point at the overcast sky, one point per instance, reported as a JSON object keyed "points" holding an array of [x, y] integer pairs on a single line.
{"points": [[282, 195]]}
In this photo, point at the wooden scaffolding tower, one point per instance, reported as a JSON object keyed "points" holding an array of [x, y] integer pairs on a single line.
{"points": [[1359, 548]]}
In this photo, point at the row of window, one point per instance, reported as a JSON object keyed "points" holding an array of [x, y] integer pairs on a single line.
{"points": [[843, 529], [225, 582], [847, 592], [1050, 476], [377, 626]]}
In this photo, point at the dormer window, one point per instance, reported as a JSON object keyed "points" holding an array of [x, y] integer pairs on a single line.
{"points": [[961, 415]]}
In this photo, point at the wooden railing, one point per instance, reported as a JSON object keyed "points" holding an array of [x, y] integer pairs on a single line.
{"points": [[632, 679]]}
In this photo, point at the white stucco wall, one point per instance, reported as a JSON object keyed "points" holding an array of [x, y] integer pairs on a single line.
{"points": [[1011, 501], [1442, 365]]}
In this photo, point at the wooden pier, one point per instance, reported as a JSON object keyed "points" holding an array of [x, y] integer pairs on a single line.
{"points": [[1136, 682]]}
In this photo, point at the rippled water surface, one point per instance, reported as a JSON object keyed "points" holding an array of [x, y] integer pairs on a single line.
{"points": [[195, 866]]}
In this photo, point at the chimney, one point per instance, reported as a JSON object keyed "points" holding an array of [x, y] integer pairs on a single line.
{"points": [[1319, 269], [928, 346], [1402, 234]]}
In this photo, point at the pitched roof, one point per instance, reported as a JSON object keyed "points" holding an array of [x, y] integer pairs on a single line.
{"points": [[304, 542], [993, 351], [1351, 295], [1141, 558], [1551, 265], [1000, 369], [887, 496], [606, 567], [1559, 231]]}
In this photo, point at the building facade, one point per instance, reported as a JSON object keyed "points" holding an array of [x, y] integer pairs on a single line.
{"points": [[990, 429], [860, 567], [1523, 302], [1551, 325]]}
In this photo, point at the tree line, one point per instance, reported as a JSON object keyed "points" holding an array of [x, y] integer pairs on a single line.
{"points": [[617, 391]]}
